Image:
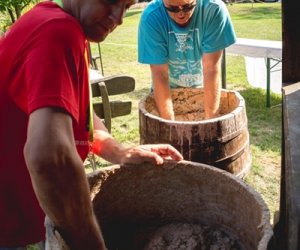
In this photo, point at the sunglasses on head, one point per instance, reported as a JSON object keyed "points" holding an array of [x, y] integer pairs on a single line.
{"points": [[184, 8]]}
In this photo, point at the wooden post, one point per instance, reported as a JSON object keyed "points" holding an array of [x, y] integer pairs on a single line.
{"points": [[287, 228], [291, 42]]}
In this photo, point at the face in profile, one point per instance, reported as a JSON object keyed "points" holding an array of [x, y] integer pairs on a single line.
{"points": [[98, 18], [180, 11]]}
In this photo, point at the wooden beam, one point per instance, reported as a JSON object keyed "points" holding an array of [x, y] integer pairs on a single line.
{"points": [[291, 42], [287, 229]]}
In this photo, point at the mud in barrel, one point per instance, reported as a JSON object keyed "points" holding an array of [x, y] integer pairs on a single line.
{"points": [[222, 142]]}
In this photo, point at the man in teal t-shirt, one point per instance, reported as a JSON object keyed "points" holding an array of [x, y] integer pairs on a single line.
{"points": [[183, 40]]}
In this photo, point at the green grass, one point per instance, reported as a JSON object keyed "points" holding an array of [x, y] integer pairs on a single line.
{"points": [[257, 21], [262, 21]]}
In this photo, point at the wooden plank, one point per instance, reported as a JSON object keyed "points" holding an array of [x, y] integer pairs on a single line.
{"points": [[105, 87], [287, 229], [118, 108], [115, 85], [106, 105], [291, 42]]}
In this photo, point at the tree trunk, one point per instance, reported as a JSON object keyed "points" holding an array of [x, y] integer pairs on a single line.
{"points": [[11, 14]]}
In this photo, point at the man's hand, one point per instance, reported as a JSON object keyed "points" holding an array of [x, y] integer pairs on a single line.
{"points": [[105, 146], [154, 153]]}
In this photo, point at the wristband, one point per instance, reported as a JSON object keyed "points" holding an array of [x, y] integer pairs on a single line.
{"points": [[96, 147]]}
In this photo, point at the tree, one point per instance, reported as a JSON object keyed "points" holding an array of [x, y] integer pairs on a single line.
{"points": [[14, 8]]}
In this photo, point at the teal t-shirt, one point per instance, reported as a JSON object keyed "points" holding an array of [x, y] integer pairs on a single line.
{"points": [[161, 40]]}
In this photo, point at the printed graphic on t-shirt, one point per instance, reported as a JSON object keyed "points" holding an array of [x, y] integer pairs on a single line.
{"points": [[185, 61], [182, 44], [190, 77]]}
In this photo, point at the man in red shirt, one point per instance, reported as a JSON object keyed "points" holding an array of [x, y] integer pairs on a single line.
{"points": [[44, 101]]}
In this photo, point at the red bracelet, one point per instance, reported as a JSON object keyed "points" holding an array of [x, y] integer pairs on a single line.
{"points": [[96, 147]]}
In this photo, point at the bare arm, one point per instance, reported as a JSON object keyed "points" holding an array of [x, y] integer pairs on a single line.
{"points": [[59, 180], [108, 148], [162, 93], [212, 82]]}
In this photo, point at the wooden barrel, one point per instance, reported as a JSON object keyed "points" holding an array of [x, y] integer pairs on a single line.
{"points": [[222, 142], [131, 202]]}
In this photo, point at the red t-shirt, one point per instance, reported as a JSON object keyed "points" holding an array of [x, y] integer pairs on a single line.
{"points": [[42, 64]]}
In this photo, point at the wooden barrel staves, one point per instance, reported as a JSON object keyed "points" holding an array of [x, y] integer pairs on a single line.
{"points": [[222, 142]]}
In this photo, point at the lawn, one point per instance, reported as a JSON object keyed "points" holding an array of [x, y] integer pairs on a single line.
{"points": [[259, 21]]}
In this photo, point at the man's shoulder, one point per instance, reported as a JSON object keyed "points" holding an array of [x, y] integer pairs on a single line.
{"points": [[211, 3], [153, 9], [42, 17], [49, 17], [47, 12], [46, 23]]}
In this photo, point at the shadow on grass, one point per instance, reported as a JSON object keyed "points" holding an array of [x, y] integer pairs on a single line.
{"points": [[140, 93], [256, 97], [264, 123], [257, 13], [133, 12]]}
